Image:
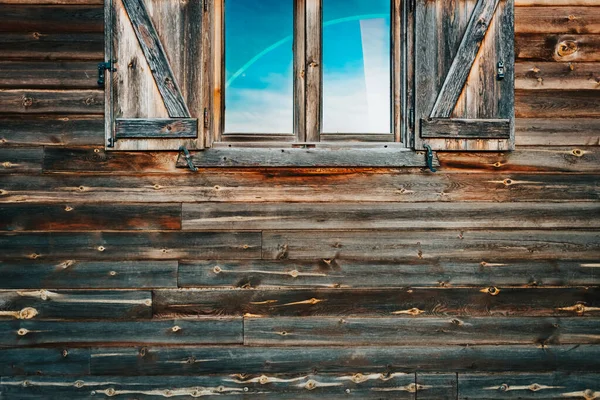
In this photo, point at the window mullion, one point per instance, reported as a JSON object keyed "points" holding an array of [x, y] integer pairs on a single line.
{"points": [[314, 68], [300, 70]]}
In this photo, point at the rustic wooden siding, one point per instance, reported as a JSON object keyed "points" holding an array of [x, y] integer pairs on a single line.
{"points": [[480, 281]]}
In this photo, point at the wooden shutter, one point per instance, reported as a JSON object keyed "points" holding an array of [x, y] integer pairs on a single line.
{"points": [[154, 97], [461, 102]]}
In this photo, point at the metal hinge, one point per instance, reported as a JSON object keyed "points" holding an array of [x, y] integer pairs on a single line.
{"points": [[188, 158], [429, 158], [206, 118], [102, 67]]}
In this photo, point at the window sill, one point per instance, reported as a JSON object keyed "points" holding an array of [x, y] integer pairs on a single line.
{"points": [[308, 157]]}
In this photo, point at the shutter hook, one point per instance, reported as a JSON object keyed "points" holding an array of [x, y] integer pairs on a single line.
{"points": [[429, 158], [188, 158]]}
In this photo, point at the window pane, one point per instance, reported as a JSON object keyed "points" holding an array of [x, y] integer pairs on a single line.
{"points": [[356, 66], [259, 66]]}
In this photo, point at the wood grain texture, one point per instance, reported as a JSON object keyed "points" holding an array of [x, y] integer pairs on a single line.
{"points": [[52, 46], [375, 359], [557, 47], [72, 217], [49, 75], [51, 18], [156, 128], [437, 386], [121, 333], [44, 361], [336, 273], [23, 160], [75, 274], [288, 387], [290, 331], [51, 101], [60, 305], [51, 130], [317, 216], [425, 244], [465, 128], [558, 19], [400, 302], [148, 245], [527, 385], [557, 103], [557, 76]]}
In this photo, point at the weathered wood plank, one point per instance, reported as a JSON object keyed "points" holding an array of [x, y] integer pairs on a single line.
{"points": [[73, 216], [51, 101], [293, 331], [261, 186], [531, 159], [528, 385], [291, 157], [557, 103], [23, 160], [155, 245], [74, 274], [557, 19], [156, 57], [453, 128], [418, 245], [313, 68], [437, 386], [49, 75], [44, 361], [52, 46], [443, 215], [299, 387], [122, 333], [335, 273], [463, 60], [50, 130], [374, 359], [558, 132], [51, 18], [46, 304], [481, 301], [557, 76], [156, 128], [557, 47]]}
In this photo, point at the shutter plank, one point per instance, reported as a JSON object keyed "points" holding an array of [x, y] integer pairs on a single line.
{"points": [[461, 66], [465, 128], [156, 128], [156, 58]]}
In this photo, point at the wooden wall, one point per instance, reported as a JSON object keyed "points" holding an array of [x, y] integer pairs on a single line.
{"points": [[479, 281]]}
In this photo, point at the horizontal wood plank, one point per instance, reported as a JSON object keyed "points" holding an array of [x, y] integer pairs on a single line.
{"points": [[51, 101], [443, 215], [557, 19], [312, 331], [336, 273], [49, 75], [374, 359], [122, 333], [19, 161], [51, 18], [428, 244], [75, 274], [557, 103], [452, 128], [557, 76], [52, 46], [44, 361], [527, 385], [324, 186], [50, 130], [400, 302], [437, 386], [156, 128], [82, 217], [557, 132], [557, 47], [116, 246], [287, 387], [48, 304]]}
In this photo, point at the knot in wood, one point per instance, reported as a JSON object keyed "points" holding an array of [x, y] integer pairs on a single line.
{"points": [[310, 385], [22, 332], [68, 208], [534, 387], [7, 164], [497, 164], [217, 269], [579, 308], [101, 248], [504, 387], [27, 101], [508, 182], [43, 294], [112, 273], [34, 256], [358, 378], [348, 391], [294, 274], [78, 384], [156, 187], [25, 383], [411, 388], [176, 328], [27, 313], [577, 152], [65, 353], [493, 291], [589, 394], [110, 392], [263, 380], [566, 48], [90, 101]]}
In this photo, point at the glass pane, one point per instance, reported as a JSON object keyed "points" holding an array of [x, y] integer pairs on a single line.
{"points": [[259, 66], [356, 66]]}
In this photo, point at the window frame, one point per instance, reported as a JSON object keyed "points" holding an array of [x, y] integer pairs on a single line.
{"points": [[308, 95]]}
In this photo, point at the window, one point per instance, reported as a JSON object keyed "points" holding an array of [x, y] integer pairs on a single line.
{"points": [[310, 82]]}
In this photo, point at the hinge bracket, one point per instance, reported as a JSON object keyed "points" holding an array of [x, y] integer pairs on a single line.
{"points": [[102, 67], [429, 158], [188, 158]]}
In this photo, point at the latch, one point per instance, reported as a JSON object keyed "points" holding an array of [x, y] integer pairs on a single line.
{"points": [[500, 75], [102, 67], [188, 158], [429, 158]]}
